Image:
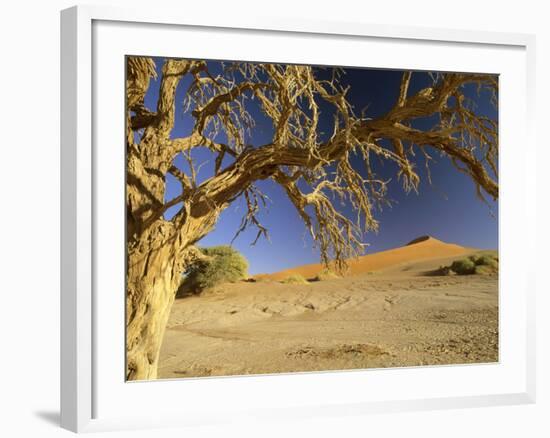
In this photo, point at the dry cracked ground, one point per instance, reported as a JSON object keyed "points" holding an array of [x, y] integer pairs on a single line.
{"points": [[393, 318]]}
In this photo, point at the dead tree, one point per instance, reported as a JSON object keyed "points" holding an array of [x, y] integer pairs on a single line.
{"points": [[159, 250]]}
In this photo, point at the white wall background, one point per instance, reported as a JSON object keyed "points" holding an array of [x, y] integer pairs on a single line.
{"points": [[29, 217]]}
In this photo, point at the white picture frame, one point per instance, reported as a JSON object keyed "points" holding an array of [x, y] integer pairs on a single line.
{"points": [[92, 385]]}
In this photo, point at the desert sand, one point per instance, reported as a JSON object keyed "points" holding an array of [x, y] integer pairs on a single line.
{"points": [[422, 248], [390, 311]]}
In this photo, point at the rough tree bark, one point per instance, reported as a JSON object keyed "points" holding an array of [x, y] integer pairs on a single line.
{"points": [[160, 250], [157, 253]]}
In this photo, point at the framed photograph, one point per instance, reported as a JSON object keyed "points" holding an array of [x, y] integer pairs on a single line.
{"points": [[283, 218]]}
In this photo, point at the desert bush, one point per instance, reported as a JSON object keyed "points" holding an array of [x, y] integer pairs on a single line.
{"points": [[325, 274], [483, 263], [486, 260], [486, 270], [487, 264], [225, 265], [295, 279], [474, 258], [464, 267]]}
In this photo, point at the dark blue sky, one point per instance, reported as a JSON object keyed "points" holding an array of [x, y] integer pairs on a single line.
{"points": [[448, 209]]}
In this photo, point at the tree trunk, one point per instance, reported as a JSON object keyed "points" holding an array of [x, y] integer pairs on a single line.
{"points": [[153, 275], [158, 251], [148, 321], [155, 265]]}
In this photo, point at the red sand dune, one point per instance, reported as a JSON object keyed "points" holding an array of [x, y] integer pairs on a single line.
{"points": [[422, 248]]}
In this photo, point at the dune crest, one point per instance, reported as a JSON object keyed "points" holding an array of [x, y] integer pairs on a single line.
{"points": [[422, 248]]}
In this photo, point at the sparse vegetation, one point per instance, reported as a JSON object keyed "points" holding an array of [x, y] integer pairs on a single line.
{"points": [[223, 264], [486, 270], [325, 274], [295, 279], [463, 267], [485, 260], [485, 263]]}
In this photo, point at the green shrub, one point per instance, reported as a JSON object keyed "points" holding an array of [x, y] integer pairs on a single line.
{"points": [[486, 270], [326, 274], [474, 258], [487, 264], [464, 267], [486, 260], [484, 263], [225, 265], [295, 279]]}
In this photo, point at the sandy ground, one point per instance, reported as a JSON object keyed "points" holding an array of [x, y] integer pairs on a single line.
{"points": [[397, 316]]}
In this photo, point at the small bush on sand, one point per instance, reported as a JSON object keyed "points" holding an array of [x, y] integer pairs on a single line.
{"points": [[484, 263], [294, 279], [487, 264], [486, 270], [225, 265], [325, 274], [474, 258], [464, 267], [486, 260]]}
